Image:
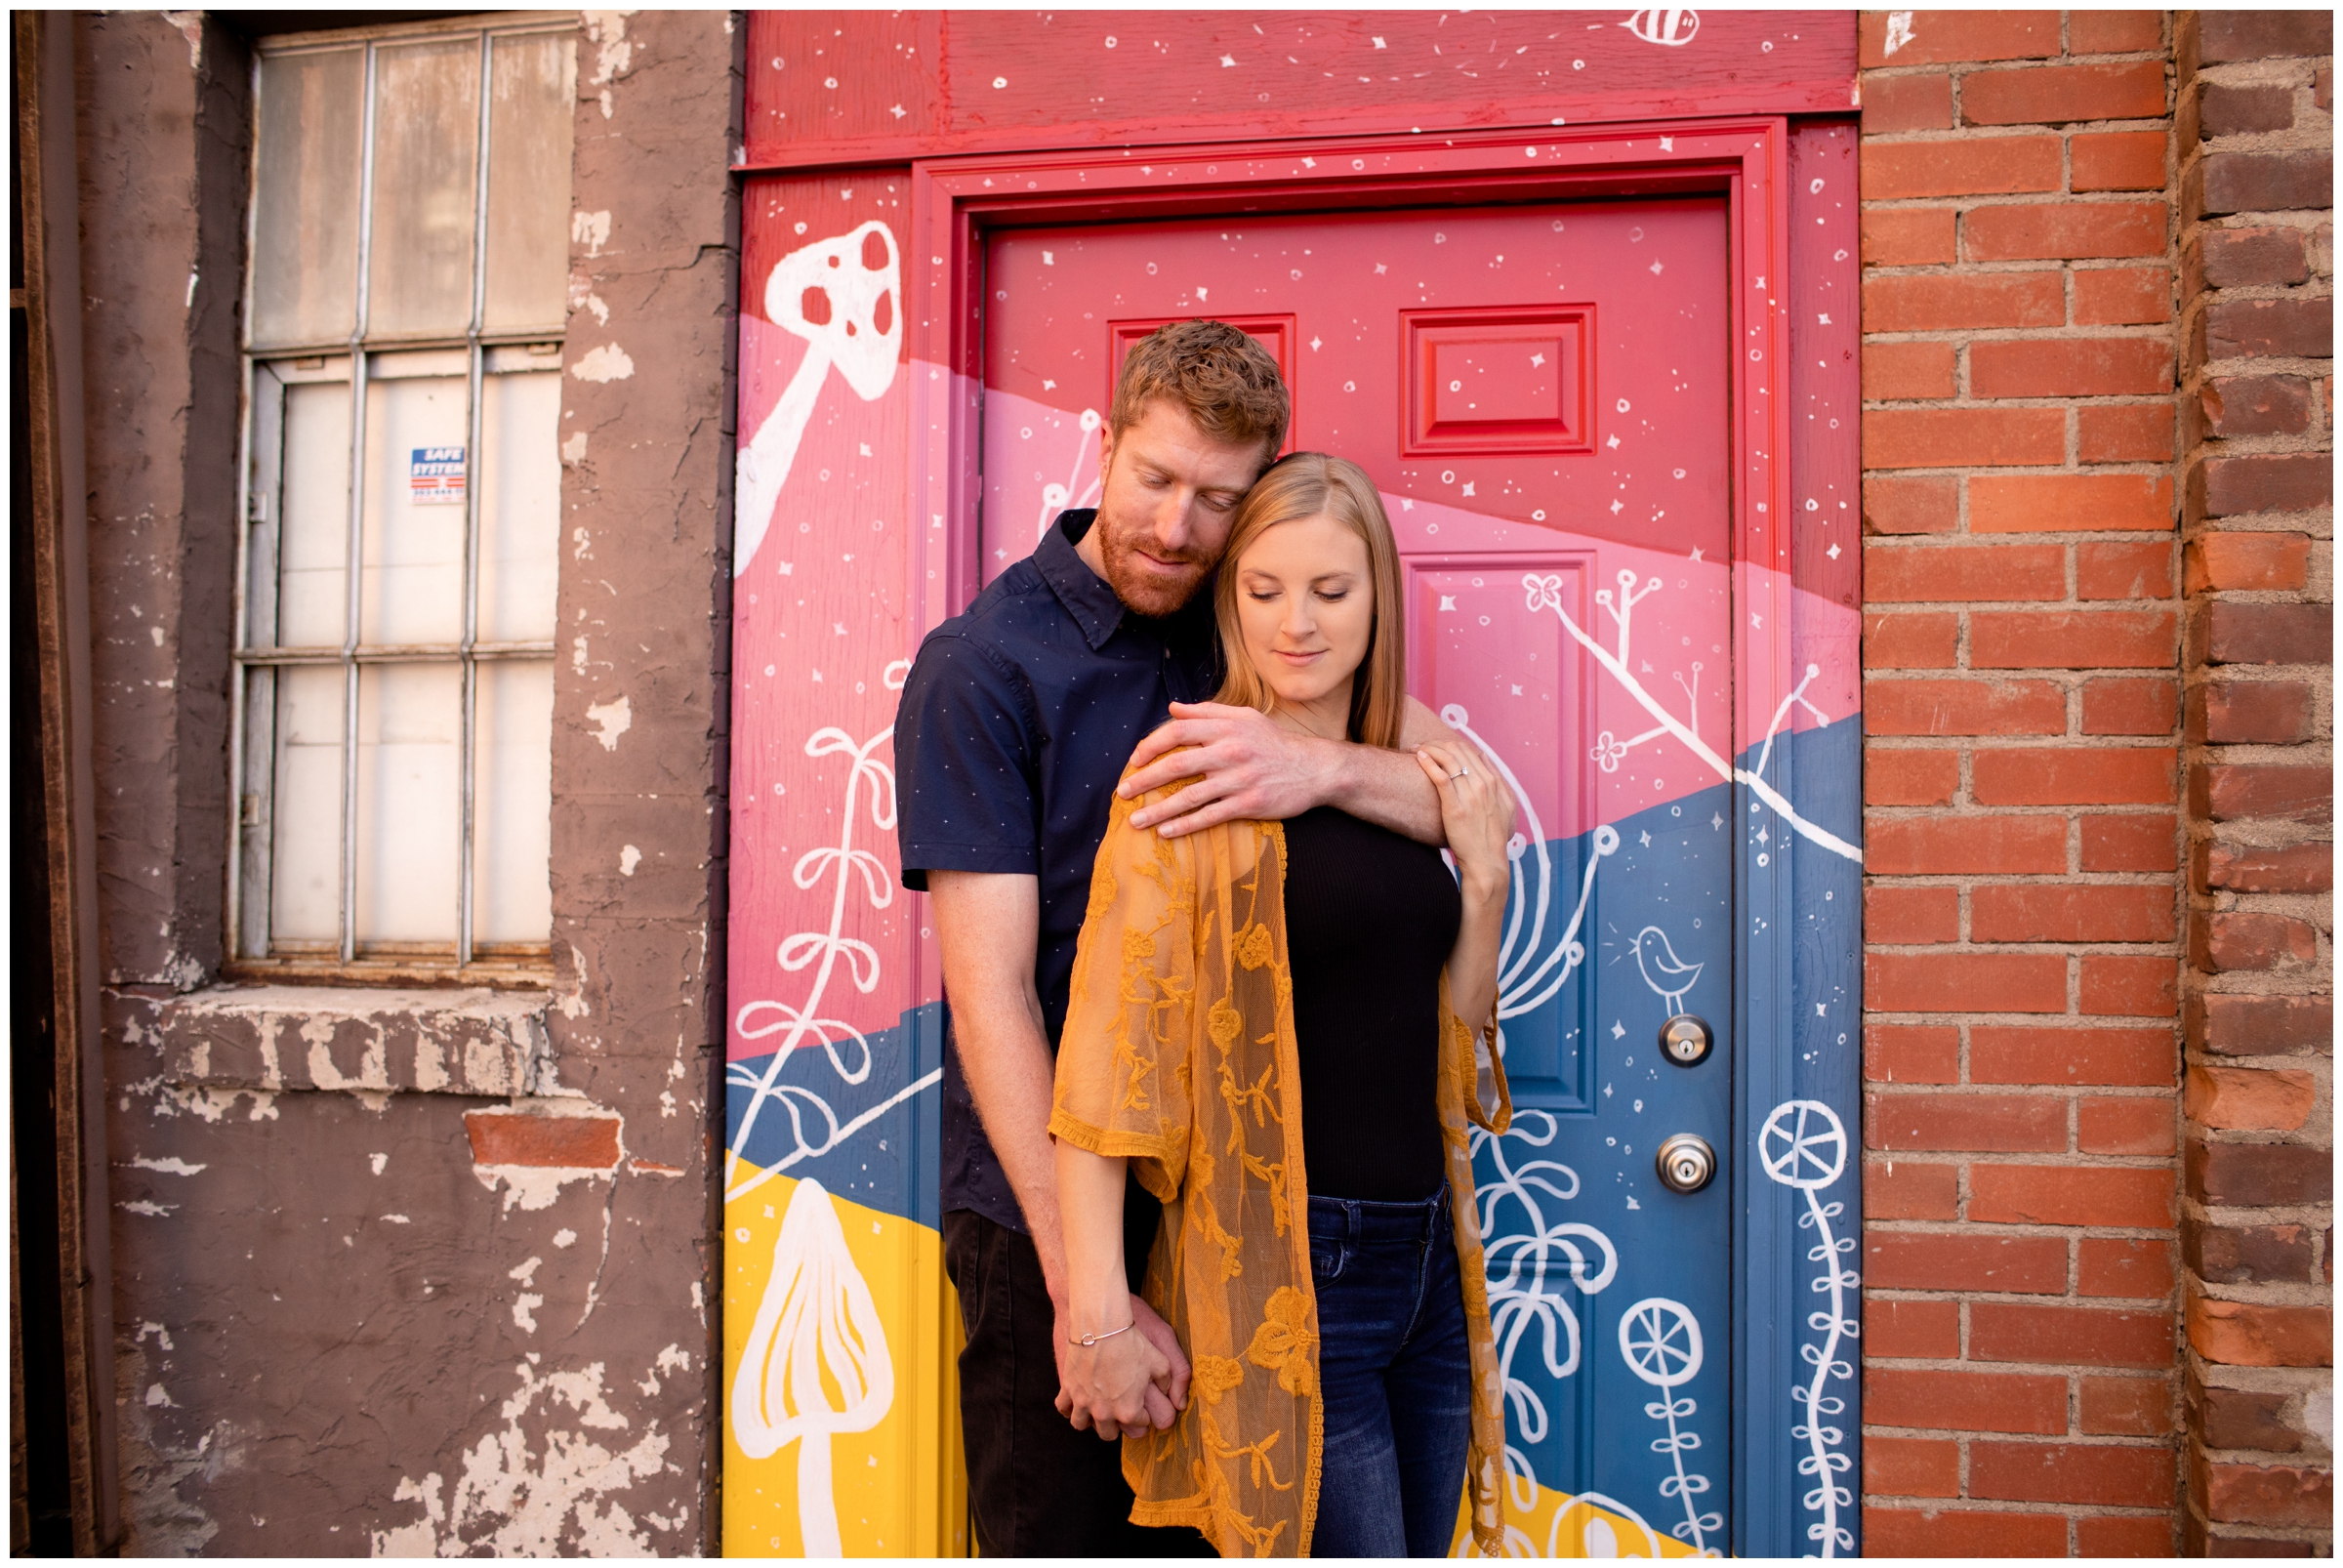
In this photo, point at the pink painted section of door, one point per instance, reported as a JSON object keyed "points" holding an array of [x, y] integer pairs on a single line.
{"points": [[1533, 386], [822, 635]]}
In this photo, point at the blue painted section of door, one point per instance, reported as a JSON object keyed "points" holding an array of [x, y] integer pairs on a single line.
{"points": [[1610, 1294], [1585, 1241], [856, 1115]]}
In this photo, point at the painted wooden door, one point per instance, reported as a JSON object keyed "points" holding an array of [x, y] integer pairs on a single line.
{"points": [[841, 1430], [1540, 394]]}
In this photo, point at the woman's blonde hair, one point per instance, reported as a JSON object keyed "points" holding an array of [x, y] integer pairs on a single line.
{"points": [[1310, 484]]}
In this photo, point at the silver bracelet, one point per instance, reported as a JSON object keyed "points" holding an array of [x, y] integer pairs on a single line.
{"points": [[1088, 1341]]}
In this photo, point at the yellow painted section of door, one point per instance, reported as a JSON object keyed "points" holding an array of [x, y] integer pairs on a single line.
{"points": [[1557, 1524], [897, 1486]]}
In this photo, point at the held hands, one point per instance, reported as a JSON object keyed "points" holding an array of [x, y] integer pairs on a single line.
{"points": [[1131, 1383], [1241, 764], [1478, 812]]}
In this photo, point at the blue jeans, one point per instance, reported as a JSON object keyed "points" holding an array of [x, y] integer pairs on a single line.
{"points": [[1395, 1377]]}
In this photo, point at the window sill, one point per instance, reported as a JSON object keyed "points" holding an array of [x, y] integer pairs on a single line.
{"points": [[533, 973], [445, 1040]]}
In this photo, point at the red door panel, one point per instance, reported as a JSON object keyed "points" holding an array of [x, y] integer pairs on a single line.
{"points": [[1541, 391]]}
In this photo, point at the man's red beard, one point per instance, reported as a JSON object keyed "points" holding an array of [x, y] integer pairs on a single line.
{"points": [[1140, 588]]}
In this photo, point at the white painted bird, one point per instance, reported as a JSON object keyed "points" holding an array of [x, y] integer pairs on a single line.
{"points": [[1682, 976]]}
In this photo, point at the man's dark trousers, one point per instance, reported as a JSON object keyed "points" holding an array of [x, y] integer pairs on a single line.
{"points": [[1036, 1487]]}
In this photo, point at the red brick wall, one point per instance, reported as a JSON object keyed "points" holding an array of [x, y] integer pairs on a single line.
{"points": [[2022, 701], [2099, 1305], [2254, 145]]}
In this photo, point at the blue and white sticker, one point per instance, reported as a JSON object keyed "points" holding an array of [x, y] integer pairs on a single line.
{"points": [[436, 477]]}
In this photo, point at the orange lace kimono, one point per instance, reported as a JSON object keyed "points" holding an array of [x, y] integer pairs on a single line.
{"points": [[1179, 1055]]}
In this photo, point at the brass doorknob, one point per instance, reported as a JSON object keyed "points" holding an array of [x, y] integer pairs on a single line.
{"points": [[1686, 1040], [1686, 1162]]}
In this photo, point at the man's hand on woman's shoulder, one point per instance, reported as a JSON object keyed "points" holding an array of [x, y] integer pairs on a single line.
{"points": [[1241, 768]]}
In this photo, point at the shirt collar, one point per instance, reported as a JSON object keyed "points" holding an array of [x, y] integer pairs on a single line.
{"points": [[1085, 595]]}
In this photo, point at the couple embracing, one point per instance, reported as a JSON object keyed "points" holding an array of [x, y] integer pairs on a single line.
{"points": [[1218, 1014]]}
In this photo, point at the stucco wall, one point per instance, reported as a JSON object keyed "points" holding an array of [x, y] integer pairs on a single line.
{"points": [[419, 1270]]}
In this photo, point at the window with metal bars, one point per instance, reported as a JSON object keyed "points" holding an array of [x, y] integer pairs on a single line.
{"points": [[395, 588]]}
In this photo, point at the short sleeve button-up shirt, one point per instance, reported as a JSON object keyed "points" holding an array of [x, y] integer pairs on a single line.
{"points": [[1016, 724]]}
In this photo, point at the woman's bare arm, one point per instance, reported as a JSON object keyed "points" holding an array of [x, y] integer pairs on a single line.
{"points": [[1120, 1383], [1477, 812]]}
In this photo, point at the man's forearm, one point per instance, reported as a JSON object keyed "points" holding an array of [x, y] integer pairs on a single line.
{"points": [[1386, 788], [1011, 1078]]}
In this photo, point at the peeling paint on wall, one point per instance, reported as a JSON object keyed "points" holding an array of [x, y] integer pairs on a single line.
{"points": [[613, 51], [536, 1490], [613, 718], [609, 362]]}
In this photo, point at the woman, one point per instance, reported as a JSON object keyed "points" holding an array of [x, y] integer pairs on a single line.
{"points": [[1258, 989]]}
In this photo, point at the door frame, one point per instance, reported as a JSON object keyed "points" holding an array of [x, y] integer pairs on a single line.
{"points": [[955, 201]]}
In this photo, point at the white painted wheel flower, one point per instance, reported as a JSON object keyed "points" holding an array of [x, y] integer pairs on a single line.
{"points": [[1803, 1144], [1661, 1341], [817, 1329]]}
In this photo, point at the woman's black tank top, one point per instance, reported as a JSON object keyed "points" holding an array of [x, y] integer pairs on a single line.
{"points": [[1370, 920]]}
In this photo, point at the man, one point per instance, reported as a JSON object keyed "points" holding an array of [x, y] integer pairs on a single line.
{"points": [[1014, 726]]}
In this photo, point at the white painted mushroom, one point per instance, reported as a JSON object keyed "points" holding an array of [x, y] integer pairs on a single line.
{"points": [[843, 295], [817, 1317]]}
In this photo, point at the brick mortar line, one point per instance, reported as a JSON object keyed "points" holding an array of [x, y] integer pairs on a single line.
{"points": [[1992, 1020], [2060, 1157], [2023, 402], [2043, 947], [1999, 266], [2074, 1437], [1960, 201], [2143, 808], [2029, 63], [2069, 331], [1896, 1088], [2033, 130], [2027, 879], [1982, 403], [2314, 286], [2027, 1508], [1962, 1229], [2027, 131], [1889, 1090], [2262, 1293], [2257, 144], [2243, 1217]]}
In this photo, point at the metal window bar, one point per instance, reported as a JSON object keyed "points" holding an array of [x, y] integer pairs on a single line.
{"points": [[354, 654], [353, 566], [472, 426]]}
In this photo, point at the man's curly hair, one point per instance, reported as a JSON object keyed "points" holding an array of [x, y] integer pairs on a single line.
{"points": [[1226, 382]]}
